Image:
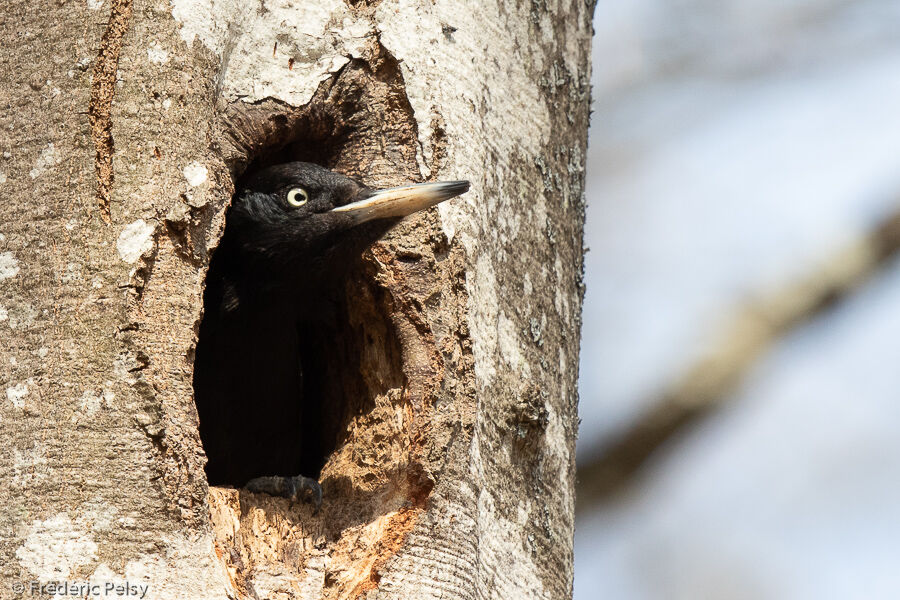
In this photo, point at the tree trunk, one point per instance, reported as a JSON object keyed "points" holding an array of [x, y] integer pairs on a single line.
{"points": [[451, 426]]}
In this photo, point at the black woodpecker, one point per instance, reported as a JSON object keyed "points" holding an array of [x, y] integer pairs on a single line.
{"points": [[291, 232]]}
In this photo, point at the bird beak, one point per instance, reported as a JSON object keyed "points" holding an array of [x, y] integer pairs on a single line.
{"points": [[402, 201]]}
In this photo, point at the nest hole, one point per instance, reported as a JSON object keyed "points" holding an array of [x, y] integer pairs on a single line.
{"points": [[349, 350]]}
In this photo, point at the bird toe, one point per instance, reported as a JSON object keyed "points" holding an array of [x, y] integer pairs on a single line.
{"points": [[306, 489], [297, 488]]}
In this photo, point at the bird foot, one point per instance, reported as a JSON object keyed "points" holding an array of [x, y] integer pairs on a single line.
{"points": [[293, 488]]}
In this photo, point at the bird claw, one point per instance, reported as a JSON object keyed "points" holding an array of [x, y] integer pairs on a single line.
{"points": [[297, 488]]}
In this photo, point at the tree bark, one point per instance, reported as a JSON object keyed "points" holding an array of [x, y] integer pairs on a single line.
{"points": [[125, 126]]}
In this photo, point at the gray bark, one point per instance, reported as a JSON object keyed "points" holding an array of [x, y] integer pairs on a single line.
{"points": [[122, 130]]}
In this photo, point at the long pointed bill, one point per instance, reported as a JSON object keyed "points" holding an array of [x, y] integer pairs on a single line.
{"points": [[402, 201]]}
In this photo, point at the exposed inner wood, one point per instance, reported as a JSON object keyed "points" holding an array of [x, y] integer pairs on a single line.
{"points": [[103, 87]]}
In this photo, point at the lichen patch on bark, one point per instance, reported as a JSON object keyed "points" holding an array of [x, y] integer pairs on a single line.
{"points": [[55, 548], [274, 49]]}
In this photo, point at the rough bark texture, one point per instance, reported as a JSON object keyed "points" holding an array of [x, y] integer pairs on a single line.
{"points": [[125, 125]]}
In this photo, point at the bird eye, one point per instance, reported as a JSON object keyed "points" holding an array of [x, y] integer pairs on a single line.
{"points": [[297, 197]]}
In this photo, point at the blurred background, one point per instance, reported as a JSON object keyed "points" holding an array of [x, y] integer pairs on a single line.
{"points": [[740, 363]]}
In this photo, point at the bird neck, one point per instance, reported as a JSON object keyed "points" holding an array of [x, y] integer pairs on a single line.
{"points": [[248, 273]]}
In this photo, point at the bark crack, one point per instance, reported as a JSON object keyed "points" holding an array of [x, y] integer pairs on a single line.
{"points": [[103, 89]]}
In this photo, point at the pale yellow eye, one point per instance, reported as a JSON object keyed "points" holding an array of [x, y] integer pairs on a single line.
{"points": [[297, 197]]}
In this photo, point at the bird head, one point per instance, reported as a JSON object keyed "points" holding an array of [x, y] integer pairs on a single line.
{"points": [[299, 212]]}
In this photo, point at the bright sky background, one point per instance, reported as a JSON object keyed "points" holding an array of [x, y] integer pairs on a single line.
{"points": [[734, 145]]}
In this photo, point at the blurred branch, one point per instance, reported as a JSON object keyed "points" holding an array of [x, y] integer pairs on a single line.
{"points": [[710, 381]]}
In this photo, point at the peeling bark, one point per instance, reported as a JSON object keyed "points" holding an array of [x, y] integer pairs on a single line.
{"points": [[450, 462]]}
